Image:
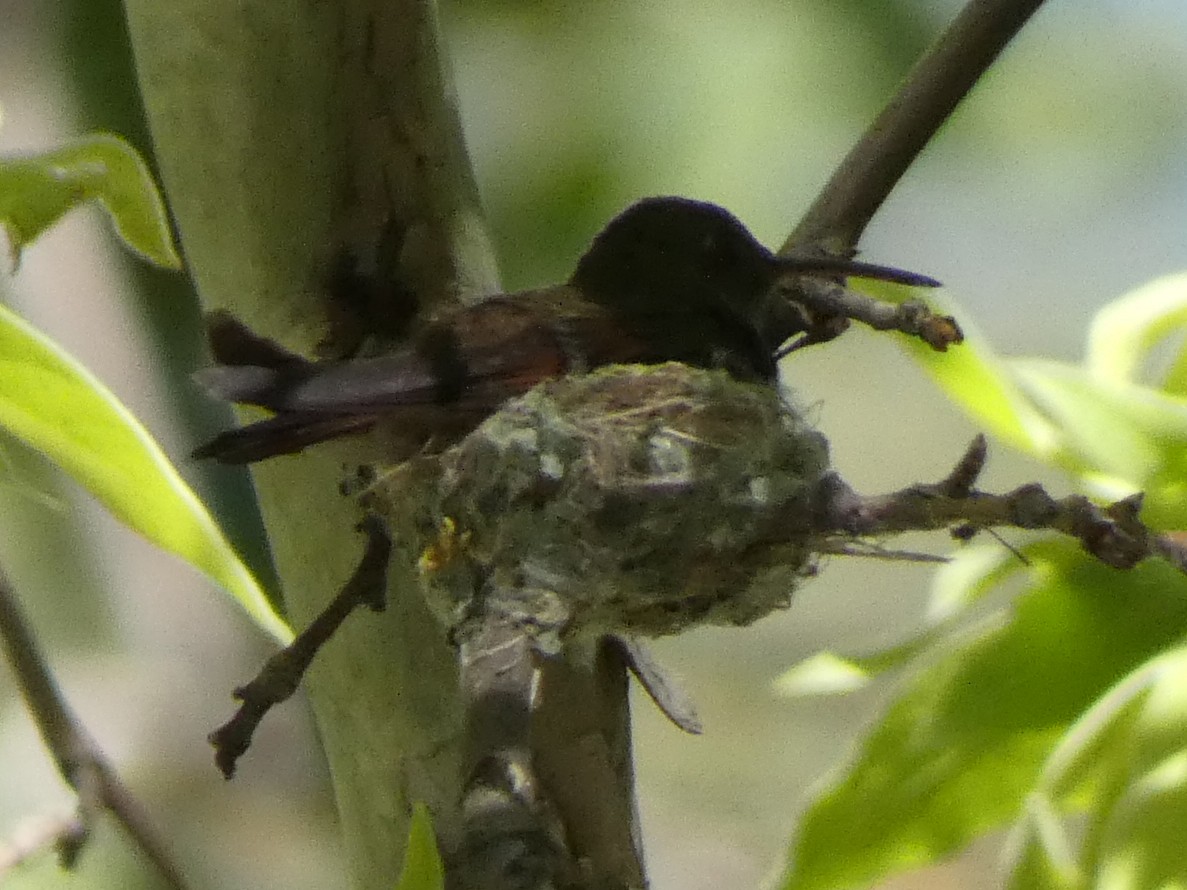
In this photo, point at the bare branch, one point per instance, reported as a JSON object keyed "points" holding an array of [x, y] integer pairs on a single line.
{"points": [[932, 89], [832, 308], [282, 673], [1114, 534], [79, 760]]}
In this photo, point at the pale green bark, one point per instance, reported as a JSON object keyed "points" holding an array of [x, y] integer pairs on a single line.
{"points": [[286, 131]]}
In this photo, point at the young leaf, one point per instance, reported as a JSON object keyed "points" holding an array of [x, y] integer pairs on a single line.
{"points": [[975, 378], [1143, 846], [1038, 853], [1124, 332], [956, 585], [54, 405], [1115, 434], [422, 863], [37, 190], [1122, 765], [827, 673], [961, 749]]}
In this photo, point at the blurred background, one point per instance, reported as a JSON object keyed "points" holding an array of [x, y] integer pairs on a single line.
{"points": [[1058, 186]]}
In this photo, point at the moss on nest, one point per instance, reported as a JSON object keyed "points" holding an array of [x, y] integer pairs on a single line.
{"points": [[639, 499]]}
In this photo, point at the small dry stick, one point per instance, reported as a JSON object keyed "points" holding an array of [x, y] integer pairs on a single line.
{"points": [[1113, 534], [282, 673], [79, 760], [833, 307]]}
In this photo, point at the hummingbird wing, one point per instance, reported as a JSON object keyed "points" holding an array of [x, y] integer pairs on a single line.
{"points": [[234, 343], [460, 369], [283, 434]]}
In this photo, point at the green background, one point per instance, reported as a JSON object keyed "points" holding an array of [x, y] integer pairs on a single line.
{"points": [[1061, 184]]}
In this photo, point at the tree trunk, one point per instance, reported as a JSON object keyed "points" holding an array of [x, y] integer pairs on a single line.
{"points": [[306, 145]]}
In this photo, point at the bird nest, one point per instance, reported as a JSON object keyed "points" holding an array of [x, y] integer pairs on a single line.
{"points": [[636, 499]]}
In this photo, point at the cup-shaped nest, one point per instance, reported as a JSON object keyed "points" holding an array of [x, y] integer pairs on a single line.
{"points": [[636, 499]]}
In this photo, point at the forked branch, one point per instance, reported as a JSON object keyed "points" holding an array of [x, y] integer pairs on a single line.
{"points": [[79, 760]]}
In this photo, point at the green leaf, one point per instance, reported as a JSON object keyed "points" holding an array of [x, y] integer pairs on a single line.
{"points": [[958, 753], [1084, 776], [824, 673], [971, 574], [1143, 847], [1038, 853], [1124, 331], [53, 404], [422, 862], [1123, 765], [1095, 420], [827, 673], [908, 803], [36, 191], [976, 379], [1119, 436], [1089, 748], [956, 585]]}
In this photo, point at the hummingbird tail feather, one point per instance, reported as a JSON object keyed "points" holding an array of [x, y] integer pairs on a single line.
{"points": [[283, 434], [245, 384]]}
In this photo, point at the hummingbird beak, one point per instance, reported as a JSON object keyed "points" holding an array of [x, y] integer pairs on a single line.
{"points": [[847, 268], [826, 312]]}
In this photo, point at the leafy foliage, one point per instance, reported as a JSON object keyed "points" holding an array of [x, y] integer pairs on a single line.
{"points": [[1068, 705], [53, 404], [36, 191], [422, 863]]}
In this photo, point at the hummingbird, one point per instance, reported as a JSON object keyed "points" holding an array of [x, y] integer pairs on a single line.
{"points": [[668, 279]]}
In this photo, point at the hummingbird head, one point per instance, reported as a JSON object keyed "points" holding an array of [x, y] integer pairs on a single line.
{"points": [[693, 276], [672, 255]]}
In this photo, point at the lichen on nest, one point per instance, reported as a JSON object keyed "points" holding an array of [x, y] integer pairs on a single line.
{"points": [[637, 499]]}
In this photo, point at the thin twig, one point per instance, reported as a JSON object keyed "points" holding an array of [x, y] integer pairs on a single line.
{"points": [[872, 550], [932, 89], [1114, 534], [959, 483], [78, 758], [282, 673], [832, 307]]}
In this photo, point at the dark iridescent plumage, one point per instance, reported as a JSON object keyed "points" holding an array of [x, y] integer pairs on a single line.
{"points": [[669, 279]]}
